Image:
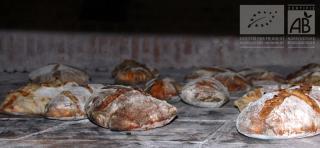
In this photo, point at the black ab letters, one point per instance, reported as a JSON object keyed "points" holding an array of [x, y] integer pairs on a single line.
{"points": [[301, 25]]}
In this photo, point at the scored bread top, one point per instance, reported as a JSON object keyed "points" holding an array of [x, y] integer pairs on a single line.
{"points": [[286, 113]]}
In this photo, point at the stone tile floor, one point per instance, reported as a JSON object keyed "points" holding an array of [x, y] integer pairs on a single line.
{"points": [[194, 127]]}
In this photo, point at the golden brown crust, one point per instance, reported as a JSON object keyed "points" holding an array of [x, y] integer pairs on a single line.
{"points": [[251, 96], [259, 124], [305, 88], [233, 83], [157, 90], [132, 72], [230, 79], [62, 112], [111, 98], [279, 114], [283, 94], [8, 104], [163, 89], [206, 84], [34, 99], [269, 105]]}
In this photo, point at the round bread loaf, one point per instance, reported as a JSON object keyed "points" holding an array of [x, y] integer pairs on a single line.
{"points": [[58, 72], [204, 92], [256, 93], [287, 113], [259, 77], [132, 73], [124, 109], [163, 89], [233, 81], [53, 100]]}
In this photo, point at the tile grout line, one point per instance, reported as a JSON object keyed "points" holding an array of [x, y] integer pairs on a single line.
{"points": [[225, 125], [90, 140], [50, 129], [200, 120]]}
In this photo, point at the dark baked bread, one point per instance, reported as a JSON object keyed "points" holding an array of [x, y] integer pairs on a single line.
{"points": [[163, 89], [230, 79], [205, 92], [131, 72], [233, 81], [125, 109], [59, 72]]}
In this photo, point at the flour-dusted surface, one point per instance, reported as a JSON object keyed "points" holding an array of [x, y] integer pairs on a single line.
{"points": [[194, 127], [54, 101], [61, 72], [291, 119], [123, 108], [205, 92]]}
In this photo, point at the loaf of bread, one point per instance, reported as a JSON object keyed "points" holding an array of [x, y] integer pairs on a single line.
{"points": [[205, 72], [287, 113], [123, 108], [312, 78], [63, 73], [233, 81], [312, 67], [132, 73], [64, 101], [256, 93], [30, 99], [258, 77], [230, 79], [163, 89], [69, 104], [205, 92]]}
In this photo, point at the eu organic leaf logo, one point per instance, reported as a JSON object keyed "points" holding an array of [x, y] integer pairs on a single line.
{"points": [[262, 18], [306, 15]]}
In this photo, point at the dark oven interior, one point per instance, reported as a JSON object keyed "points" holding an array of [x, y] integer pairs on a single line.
{"points": [[174, 37]]}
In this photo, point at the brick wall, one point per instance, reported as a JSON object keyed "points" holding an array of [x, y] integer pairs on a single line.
{"points": [[24, 51]]}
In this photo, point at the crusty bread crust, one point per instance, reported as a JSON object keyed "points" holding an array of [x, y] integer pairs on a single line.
{"points": [[286, 113], [132, 72], [126, 109]]}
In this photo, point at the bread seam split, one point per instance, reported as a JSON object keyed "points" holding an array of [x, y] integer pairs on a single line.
{"points": [[277, 100]]}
